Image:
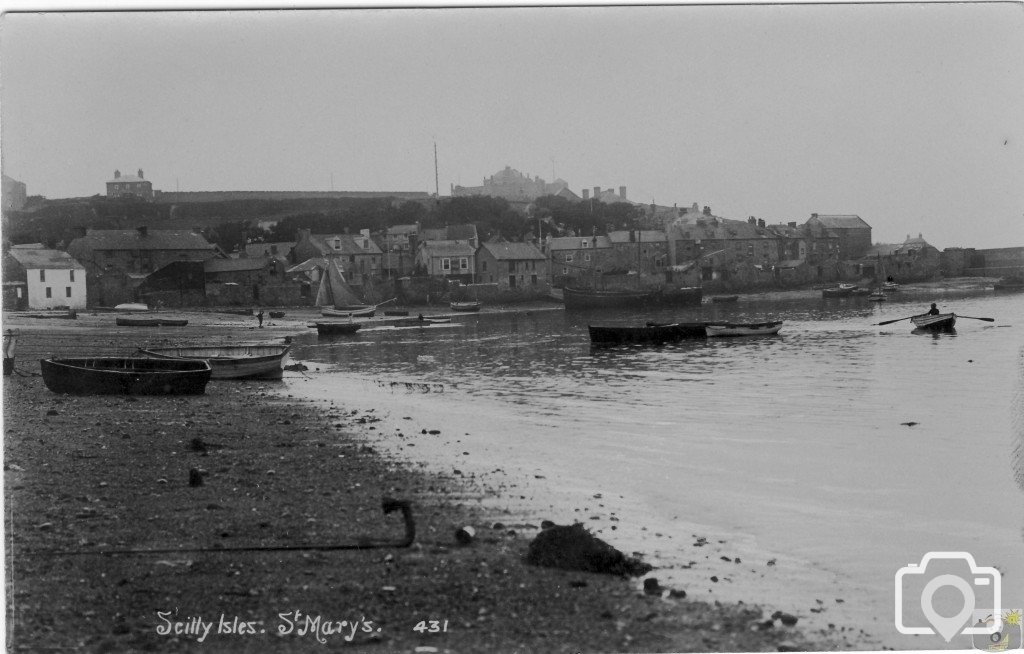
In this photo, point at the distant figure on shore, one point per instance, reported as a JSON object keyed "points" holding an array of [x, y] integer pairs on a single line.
{"points": [[8, 348], [259, 317], [890, 279], [934, 311]]}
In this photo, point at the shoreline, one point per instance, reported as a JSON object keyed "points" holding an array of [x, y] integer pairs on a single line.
{"points": [[115, 471]]}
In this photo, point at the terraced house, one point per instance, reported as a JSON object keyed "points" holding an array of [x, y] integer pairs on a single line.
{"points": [[360, 257], [513, 267]]}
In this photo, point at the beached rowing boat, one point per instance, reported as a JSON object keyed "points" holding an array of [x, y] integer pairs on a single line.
{"points": [[744, 329], [125, 376], [349, 311], [719, 299], [327, 328], [150, 322], [466, 306], [231, 361], [651, 333], [934, 322]]}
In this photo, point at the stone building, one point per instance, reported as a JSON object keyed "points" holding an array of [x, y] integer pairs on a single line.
{"points": [[360, 257], [14, 194], [38, 278], [853, 233], [129, 186], [513, 267], [513, 186]]}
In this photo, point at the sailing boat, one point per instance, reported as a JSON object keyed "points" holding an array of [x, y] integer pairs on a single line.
{"points": [[336, 298]]}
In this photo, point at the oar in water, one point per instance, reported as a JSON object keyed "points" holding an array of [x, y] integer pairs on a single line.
{"points": [[973, 318], [889, 322]]}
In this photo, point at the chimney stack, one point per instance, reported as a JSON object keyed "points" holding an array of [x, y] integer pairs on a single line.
{"points": [[622, 192], [117, 174], [586, 194], [597, 192], [140, 173], [792, 224], [707, 210], [760, 223]]}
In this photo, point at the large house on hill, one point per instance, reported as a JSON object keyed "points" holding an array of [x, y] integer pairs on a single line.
{"points": [[129, 186]]}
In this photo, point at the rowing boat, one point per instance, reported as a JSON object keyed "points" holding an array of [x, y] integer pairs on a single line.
{"points": [[125, 376], [231, 361], [934, 322], [651, 333], [326, 328], [150, 322], [718, 299], [744, 329], [349, 311], [465, 306]]}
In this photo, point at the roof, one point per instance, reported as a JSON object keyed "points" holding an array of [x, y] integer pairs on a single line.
{"points": [[644, 236], [448, 248], [573, 242], [44, 259], [126, 178], [316, 263], [881, 250], [349, 244], [790, 263], [713, 227], [235, 265], [841, 222], [132, 239], [266, 249], [403, 229], [513, 251], [449, 233]]}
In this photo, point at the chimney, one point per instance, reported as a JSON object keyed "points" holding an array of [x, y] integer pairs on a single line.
{"points": [[586, 194], [707, 210], [622, 192], [597, 192], [80, 232], [117, 174], [751, 220], [143, 231], [140, 173], [792, 224], [814, 215], [760, 223]]}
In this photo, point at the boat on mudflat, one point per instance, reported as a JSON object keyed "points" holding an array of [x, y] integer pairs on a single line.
{"points": [[125, 376], [465, 306], [150, 322], [349, 311], [1008, 286], [231, 361], [843, 290], [651, 333], [744, 329], [719, 299], [934, 322], [583, 298], [132, 306], [327, 328], [419, 321]]}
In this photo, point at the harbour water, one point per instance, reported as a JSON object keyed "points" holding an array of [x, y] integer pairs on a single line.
{"points": [[799, 471]]}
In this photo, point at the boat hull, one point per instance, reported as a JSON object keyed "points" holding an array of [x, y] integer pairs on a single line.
{"points": [[749, 329], [233, 361], [465, 306], [604, 335], [125, 376], [576, 298], [720, 299], [934, 323], [336, 328], [348, 312], [150, 322]]}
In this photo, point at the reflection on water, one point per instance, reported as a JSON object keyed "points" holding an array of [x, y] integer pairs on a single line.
{"points": [[800, 442]]}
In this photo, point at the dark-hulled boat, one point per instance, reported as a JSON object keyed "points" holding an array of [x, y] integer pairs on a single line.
{"points": [[232, 361], [651, 333], [326, 328], [721, 299], [934, 322], [582, 298], [151, 322], [125, 376], [769, 328]]}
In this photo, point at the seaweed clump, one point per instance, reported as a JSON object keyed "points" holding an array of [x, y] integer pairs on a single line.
{"points": [[573, 547]]}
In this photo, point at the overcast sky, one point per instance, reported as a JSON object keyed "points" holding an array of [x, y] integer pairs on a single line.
{"points": [[911, 116]]}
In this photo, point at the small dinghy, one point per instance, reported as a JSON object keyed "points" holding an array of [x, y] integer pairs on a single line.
{"points": [[125, 376], [746, 329], [649, 334], [231, 361], [326, 328], [934, 322], [466, 306], [150, 322]]}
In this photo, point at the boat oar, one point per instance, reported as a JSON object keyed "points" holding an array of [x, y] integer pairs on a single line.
{"points": [[973, 318], [889, 322]]}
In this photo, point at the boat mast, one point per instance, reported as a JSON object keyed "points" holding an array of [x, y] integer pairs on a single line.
{"points": [[437, 187]]}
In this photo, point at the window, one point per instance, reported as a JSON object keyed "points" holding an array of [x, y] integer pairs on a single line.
{"points": [[446, 264], [463, 263], [49, 292], [568, 258], [533, 279], [72, 274], [565, 271], [42, 275], [483, 266], [67, 291], [584, 244], [337, 244], [19, 292], [586, 256]]}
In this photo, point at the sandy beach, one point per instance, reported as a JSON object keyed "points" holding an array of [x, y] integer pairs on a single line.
{"points": [[88, 474]]}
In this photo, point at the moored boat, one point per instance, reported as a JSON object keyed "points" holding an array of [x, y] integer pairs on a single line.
{"points": [[465, 306], [718, 299], [651, 333], [132, 306], [744, 329], [327, 328], [125, 376], [890, 286], [277, 314], [151, 322], [231, 361], [349, 311], [877, 296], [582, 298], [934, 322]]}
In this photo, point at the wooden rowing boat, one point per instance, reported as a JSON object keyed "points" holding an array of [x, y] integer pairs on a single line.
{"points": [[326, 328], [718, 299], [651, 333], [132, 306], [744, 329], [276, 314], [231, 361], [466, 306], [125, 376], [934, 322], [349, 311], [150, 322]]}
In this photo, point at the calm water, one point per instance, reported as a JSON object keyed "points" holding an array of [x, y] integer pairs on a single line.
{"points": [[787, 449]]}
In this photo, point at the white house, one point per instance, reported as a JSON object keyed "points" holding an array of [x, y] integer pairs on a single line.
{"points": [[52, 278]]}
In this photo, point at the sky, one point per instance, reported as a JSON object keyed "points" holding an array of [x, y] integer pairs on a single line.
{"points": [[908, 115]]}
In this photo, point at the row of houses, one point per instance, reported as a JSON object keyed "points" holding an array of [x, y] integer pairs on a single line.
{"points": [[693, 246]]}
